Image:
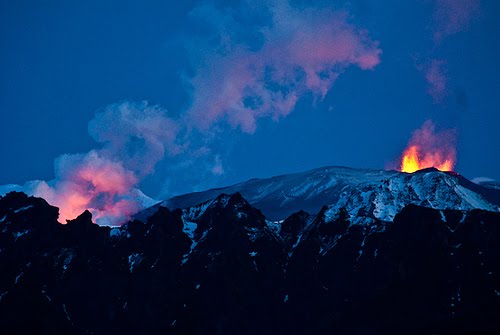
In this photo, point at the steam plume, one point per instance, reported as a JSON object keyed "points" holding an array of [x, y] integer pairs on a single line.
{"points": [[435, 74], [133, 138], [297, 52], [246, 72], [450, 17], [453, 16]]}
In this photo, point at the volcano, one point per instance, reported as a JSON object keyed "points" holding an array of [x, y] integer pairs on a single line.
{"points": [[278, 197], [331, 250]]}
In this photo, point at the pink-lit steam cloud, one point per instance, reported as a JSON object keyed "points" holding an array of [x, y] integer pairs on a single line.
{"points": [[453, 16], [133, 138], [89, 181], [449, 17], [298, 52], [301, 51]]}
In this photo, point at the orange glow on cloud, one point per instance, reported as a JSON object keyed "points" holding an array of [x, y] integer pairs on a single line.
{"points": [[92, 182]]}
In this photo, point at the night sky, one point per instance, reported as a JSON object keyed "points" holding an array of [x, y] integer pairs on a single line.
{"points": [[181, 96]]}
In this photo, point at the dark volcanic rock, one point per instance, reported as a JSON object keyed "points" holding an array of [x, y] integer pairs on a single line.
{"points": [[221, 268]]}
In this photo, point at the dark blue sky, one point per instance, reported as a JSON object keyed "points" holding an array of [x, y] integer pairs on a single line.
{"points": [[62, 61]]}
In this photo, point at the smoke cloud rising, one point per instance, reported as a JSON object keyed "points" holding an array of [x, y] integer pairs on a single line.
{"points": [[256, 62]]}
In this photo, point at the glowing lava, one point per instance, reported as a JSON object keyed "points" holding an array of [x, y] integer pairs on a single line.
{"points": [[412, 161], [428, 148]]}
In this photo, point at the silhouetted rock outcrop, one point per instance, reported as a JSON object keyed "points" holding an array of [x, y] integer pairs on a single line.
{"points": [[221, 268]]}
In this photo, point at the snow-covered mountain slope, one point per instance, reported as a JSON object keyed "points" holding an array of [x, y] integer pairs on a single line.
{"points": [[280, 196], [380, 193], [428, 188]]}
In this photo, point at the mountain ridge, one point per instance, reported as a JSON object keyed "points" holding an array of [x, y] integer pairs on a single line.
{"points": [[280, 196]]}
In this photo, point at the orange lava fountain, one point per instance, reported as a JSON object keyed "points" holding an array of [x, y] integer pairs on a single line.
{"points": [[412, 161], [428, 148]]}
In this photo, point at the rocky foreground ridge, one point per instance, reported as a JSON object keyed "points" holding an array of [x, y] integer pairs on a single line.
{"points": [[221, 268]]}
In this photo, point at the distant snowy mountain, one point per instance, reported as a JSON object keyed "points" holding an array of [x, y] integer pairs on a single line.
{"points": [[487, 182], [380, 194]]}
